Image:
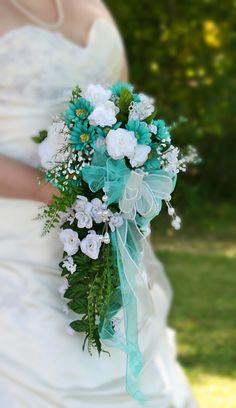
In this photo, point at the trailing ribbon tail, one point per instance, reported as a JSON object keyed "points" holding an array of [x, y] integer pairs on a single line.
{"points": [[138, 194]]}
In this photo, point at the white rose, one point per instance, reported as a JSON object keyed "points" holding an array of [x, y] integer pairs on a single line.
{"points": [[148, 100], [55, 147], [70, 240], [91, 245], [81, 203], [120, 143], [96, 210], [153, 128], [115, 221], [69, 215], [69, 264], [141, 110], [84, 219], [140, 155], [104, 115], [97, 95], [82, 209]]}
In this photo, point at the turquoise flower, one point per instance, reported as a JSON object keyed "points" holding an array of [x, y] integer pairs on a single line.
{"points": [[81, 135], [141, 131], [117, 88], [78, 109], [153, 162], [116, 125], [162, 129], [103, 131], [136, 97]]}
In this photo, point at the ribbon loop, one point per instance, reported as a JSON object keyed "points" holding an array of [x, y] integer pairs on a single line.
{"points": [[143, 194]]}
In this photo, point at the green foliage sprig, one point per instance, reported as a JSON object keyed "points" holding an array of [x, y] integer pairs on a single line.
{"points": [[90, 291], [50, 213]]}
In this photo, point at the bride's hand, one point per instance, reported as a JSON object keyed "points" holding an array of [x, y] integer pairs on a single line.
{"points": [[45, 192]]}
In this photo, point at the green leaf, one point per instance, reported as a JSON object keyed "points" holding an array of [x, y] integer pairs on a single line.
{"points": [[97, 341], [73, 291], [40, 137], [150, 118], [121, 117], [80, 325], [126, 98], [78, 305]]}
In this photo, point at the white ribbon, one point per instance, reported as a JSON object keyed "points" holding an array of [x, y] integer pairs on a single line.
{"points": [[144, 193]]}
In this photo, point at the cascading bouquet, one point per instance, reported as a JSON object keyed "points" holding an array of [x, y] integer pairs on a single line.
{"points": [[113, 162]]}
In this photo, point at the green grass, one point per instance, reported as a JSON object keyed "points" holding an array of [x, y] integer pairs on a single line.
{"points": [[204, 315]]}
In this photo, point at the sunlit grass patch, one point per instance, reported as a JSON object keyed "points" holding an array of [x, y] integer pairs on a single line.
{"points": [[203, 313]]}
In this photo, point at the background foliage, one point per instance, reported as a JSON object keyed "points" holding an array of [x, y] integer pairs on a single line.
{"points": [[183, 53]]}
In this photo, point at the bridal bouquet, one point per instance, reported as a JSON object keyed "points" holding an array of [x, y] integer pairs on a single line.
{"points": [[113, 162]]}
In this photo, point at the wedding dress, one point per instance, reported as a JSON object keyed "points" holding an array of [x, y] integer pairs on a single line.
{"points": [[41, 365]]}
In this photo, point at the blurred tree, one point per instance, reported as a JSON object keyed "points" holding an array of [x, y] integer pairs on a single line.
{"points": [[183, 53]]}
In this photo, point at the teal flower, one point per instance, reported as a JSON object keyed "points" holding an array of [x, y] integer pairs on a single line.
{"points": [[78, 109], [136, 97], [162, 129], [117, 88], [81, 135], [153, 162], [141, 131]]}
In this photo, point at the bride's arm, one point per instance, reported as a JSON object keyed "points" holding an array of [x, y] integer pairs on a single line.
{"points": [[18, 180]]}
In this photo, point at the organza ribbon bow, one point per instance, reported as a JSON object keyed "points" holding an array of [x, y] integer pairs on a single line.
{"points": [[143, 193]]}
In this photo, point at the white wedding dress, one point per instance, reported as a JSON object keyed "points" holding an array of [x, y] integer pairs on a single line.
{"points": [[41, 365]]}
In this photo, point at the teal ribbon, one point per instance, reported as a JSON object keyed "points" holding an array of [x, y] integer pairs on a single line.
{"points": [[127, 340], [123, 184], [108, 173], [139, 196]]}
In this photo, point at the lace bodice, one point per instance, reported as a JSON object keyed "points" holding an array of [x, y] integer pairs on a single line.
{"points": [[38, 69], [41, 66]]}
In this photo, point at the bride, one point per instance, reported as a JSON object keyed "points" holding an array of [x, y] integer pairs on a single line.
{"points": [[46, 48]]}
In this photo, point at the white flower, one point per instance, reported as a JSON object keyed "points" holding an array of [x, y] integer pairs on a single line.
{"points": [[141, 110], [97, 210], [120, 143], [147, 100], [80, 203], [91, 245], [115, 221], [69, 264], [153, 128], [69, 215], [83, 212], [104, 115], [55, 148], [70, 240], [140, 155], [171, 161], [84, 219], [97, 95]]}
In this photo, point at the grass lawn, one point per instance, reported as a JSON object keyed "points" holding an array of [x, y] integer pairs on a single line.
{"points": [[204, 315]]}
